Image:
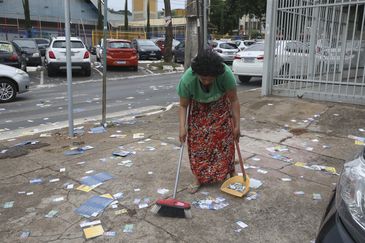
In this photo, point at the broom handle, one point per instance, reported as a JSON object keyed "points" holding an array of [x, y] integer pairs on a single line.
{"points": [[180, 156], [240, 159]]}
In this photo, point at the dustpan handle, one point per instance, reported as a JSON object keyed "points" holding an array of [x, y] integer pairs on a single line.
{"points": [[240, 159]]}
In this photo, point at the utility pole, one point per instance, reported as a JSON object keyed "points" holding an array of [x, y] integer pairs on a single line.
{"points": [[168, 31], [191, 33], [103, 110], [69, 70]]}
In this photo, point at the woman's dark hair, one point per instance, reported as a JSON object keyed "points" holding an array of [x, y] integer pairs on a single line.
{"points": [[208, 63]]}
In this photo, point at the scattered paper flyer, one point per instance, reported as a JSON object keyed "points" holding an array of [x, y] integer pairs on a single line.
{"points": [[138, 135], [128, 228], [93, 231], [51, 214], [317, 196], [93, 206], [299, 193], [162, 191]]}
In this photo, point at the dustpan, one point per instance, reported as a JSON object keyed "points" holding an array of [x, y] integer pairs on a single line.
{"points": [[244, 179]]}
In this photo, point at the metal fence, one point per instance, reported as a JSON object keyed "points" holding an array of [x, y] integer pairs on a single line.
{"points": [[315, 49]]}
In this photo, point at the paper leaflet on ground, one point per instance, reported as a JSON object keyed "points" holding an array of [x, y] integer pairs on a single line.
{"points": [[211, 203], [328, 169], [93, 206], [96, 179], [93, 231]]}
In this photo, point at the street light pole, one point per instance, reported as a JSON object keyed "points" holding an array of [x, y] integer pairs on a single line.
{"points": [[69, 69], [103, 111]]}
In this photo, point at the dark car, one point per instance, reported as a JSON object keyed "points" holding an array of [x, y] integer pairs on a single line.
{"points": [[160, 42], [29, 48], [344, 218], [42, 44], [179, 52], [147, 49], [11, 56]]}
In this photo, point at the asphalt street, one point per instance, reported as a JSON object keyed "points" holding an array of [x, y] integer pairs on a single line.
{"points": [[46, 104]]}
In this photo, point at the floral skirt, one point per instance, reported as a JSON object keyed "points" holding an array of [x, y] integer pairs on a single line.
{"points": [[210, 140]]}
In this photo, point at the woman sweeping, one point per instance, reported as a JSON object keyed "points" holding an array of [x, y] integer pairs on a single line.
{"points": [[208, 87]]}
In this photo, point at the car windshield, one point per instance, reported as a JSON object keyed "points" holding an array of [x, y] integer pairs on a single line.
{"points": [[25, 43], [248, 43], [62, 44], [6, 47], [257, 47], [119, 44], [228, 46], [40, 41], [146, 43]]}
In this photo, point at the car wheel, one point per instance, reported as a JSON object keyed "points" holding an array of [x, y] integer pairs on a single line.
{"points": [[7, 90], [87, 72], [244, 79], [51, 72]]}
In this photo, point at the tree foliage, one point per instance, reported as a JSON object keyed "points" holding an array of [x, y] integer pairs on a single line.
{"points": [[225, 14]]}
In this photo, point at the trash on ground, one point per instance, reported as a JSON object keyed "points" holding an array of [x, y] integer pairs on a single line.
{"points": [[76, 151], [51, 214], [150, 172], [149, 148], [88, 224], [123, 153], [118, 195], [121, 211], [138, 135], [309, 148], [278, 148], [96, 179], [85, 188], [45, 135], [127, 163], [118, 136], [24, 234], [298, 193], [361, 139], [93, 206], [211, 203], [328, 169], [255, 184], [110, 233], [29, 193], [93, 231], [162, 191], [359, 143], [96, 130], [142, 203], [62, 169], [128, 228], [281, 157], [286, 179], [69, 186], [8, 204], [36, 181], [89, 172], [241, 224], [262, 171], [252, 196], [58, 199], [32, 142], [54, 180], [317, 196], [256, 159]]}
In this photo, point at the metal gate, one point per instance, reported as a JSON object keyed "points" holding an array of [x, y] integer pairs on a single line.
{"points": [[315, 49]]}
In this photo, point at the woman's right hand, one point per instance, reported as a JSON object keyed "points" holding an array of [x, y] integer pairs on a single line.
{"points": [[182, 135]]}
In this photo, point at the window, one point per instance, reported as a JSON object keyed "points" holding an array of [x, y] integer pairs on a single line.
{"points": [[62, 44], [119, 44], [6, 48], [228, 46], [25, 43], [257, 47]]}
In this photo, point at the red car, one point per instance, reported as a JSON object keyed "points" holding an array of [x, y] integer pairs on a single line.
{"points": [[119, 53]]}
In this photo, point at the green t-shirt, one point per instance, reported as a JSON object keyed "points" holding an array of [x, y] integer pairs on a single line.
{"points": [[189, 86]]}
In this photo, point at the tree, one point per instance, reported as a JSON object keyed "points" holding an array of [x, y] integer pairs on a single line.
{"points": [[28, 23], [126, 15], [100, 16], [168, 29], [148, 20]]}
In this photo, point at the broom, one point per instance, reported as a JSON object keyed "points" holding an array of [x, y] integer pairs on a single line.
{"points": [[172, 207]]}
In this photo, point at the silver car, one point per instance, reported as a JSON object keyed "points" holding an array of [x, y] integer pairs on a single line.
{"points": [[13, 81], [225, 50]]}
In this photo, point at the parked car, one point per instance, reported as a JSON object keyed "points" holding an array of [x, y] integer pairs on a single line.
{"points": [[243, 44], [344, 218], [11, 56], [146, 49], [179, 53], [160, 42], [55, 60], [225, 49], [119, 53], [291, 59], [13, 81], [42, 44], [30, 49]]}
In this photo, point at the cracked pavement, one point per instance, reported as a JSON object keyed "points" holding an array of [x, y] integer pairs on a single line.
{"points": [[277, 215]]}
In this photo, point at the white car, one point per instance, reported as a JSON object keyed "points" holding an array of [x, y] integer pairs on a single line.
{"points": [[291, 59], [55, 60], [243, 44], [226, 50], [12, 81]]}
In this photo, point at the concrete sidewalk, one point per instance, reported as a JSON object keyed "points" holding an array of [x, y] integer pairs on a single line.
{"points": [[315, 133]]}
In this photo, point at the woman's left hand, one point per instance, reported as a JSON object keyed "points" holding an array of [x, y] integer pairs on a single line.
{"points": [[236, 134]]}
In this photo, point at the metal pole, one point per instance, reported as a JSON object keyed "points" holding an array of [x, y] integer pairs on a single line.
{"points": [[267, 79], [199, 25], [103, 119], [205, 30], [69, 69]]}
